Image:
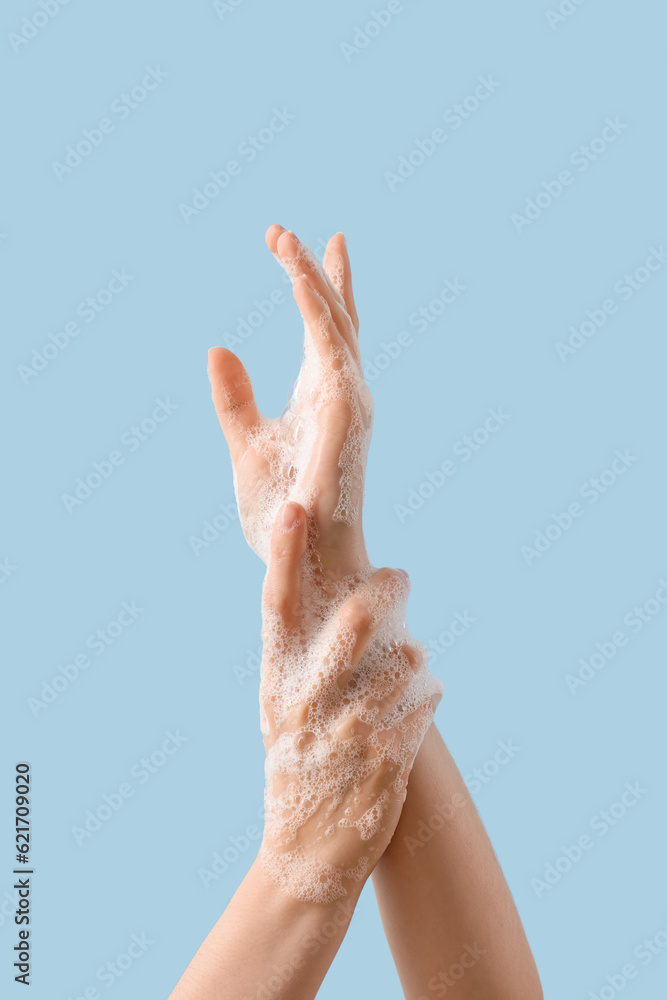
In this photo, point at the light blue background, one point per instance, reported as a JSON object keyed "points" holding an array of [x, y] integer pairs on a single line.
{"points": [[173, 668]]}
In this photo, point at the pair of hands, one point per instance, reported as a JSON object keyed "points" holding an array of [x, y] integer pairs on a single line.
{"points": [[345, 693]]}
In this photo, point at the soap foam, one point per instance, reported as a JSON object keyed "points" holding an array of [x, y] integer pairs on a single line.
{"points": [[340, 740]]}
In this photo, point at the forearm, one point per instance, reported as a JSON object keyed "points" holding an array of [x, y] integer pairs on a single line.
{"points": [[267, 944], [448, 914], [449, 893]]}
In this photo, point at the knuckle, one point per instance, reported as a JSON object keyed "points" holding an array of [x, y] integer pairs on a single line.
{"points": [[357, 615], [385, 575], [282, 546], [415, 655], [394, 581]]}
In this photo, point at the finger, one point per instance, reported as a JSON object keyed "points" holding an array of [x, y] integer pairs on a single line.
{"points": [[364, 611], [281, 597], [362, 614], [271, 237], [324, 470], [416, 655], [350, 727], [336, 264], [233, 399], [335, 417], [399, 669], [401, 666], [297, 258], [356, 621], [354, 626], [316, 315]]}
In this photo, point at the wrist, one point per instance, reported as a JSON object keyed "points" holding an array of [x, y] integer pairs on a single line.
{"points": [[312, 925], [315, 875]]}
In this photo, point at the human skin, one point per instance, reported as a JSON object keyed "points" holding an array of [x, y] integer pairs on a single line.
{"points": [[445, 905], [444, 897], [333, 802], [266, 938], [341, 545]]}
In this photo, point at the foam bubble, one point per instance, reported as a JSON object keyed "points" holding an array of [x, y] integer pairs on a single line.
{"points": [[340, 739]]}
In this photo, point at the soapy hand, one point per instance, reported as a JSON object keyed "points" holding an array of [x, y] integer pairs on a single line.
{"points": [[346, 698], [346, 695], [315, 453]]}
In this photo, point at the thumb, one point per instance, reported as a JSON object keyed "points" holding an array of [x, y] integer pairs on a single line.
{"points": [[233, 398]]}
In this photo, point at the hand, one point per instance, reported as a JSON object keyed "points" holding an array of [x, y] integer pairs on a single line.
{"points": [[316, 452], [346, 698]]}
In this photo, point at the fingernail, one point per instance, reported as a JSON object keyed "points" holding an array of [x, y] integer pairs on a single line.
{"points": [[289, 245], [404, 575], [289, 517]]}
